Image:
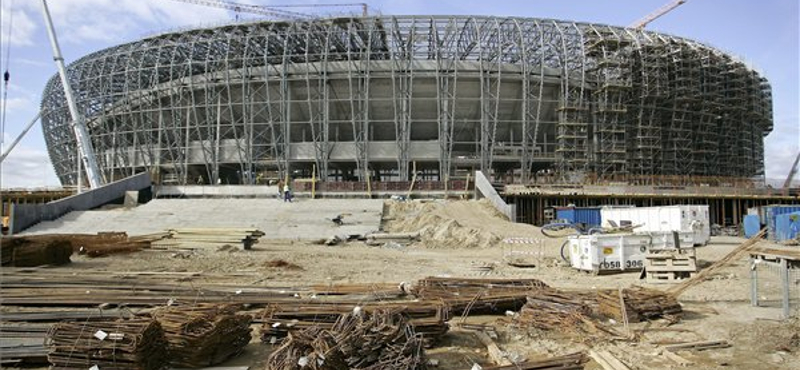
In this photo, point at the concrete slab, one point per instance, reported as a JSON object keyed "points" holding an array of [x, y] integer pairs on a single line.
{"points": [[302, 219]]}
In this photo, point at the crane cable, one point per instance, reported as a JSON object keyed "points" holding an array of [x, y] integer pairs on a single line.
{"points": [[6, 74]]}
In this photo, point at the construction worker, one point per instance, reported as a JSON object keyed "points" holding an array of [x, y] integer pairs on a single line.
{"points": [[287, 194], [280, 189]]}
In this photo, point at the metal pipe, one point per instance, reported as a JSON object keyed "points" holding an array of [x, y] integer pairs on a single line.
{"points": [[21, 135], [82, 139]]}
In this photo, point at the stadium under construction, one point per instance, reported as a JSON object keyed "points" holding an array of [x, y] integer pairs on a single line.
{"points": [[377, 104], [521, 99]]}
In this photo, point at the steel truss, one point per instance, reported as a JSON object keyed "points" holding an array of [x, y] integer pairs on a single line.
{"points": [[357, 97]]}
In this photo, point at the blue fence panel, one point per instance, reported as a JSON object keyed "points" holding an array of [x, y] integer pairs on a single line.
{"points": [[752, 225], [787, 226]]}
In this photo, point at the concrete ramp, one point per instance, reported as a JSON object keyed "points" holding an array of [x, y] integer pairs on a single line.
{"points": [[303, 219]]}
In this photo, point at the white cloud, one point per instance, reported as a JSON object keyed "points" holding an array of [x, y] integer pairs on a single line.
{"points": [[28, 167], [112, 21], [14, 105], [782, 146], [22, 25]]}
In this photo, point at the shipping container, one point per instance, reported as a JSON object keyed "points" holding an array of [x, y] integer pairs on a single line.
{"points": [[682, 218], [589, 217], [752, 225], [787, 226]]}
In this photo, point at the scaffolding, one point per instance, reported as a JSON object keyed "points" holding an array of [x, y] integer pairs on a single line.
{"points": [[521, 99]]}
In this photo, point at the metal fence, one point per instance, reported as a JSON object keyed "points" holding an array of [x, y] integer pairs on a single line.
{"points": [[775, 282]]}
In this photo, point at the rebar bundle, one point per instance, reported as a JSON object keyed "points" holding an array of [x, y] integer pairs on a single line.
{"points": [[378, 340], [640, 304], [136, 344], [25, 252], [204, 334]]}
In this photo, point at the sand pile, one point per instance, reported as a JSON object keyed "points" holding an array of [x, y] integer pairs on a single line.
{"points": [[447, 224]]}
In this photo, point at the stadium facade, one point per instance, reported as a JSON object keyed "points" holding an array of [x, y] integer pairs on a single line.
{"points": [[347, 97]]}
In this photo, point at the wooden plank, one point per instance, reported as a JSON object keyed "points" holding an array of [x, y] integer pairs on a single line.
{"points": [[607, 360], [495, 353], [733, 255], [698, 346]]}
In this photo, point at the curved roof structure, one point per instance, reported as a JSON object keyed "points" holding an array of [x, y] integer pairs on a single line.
{"points": [[348, 97]]}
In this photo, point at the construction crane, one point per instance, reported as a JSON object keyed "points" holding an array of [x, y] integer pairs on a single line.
{"points": [[792, 173], [272, 11], [642, 23], [83, 141]]}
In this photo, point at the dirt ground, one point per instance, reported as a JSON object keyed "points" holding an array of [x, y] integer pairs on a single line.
{"points": [[466, 239]]}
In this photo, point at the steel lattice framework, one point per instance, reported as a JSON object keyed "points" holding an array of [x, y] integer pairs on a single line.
{"points": [[351, 97]]}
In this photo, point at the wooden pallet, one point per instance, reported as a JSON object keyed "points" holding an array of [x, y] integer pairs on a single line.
{"points": [[667, 277], [670, 262]]}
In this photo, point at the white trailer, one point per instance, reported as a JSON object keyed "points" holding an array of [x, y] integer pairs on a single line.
{"points": [[682, 218]]}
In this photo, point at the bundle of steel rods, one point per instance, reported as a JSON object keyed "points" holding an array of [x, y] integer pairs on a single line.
{"points": [[204, 334], [136, 344], [382, 339], [25, 252], [426, 318], [477, 296], [435, 285], [556, 312], [640, 304]]}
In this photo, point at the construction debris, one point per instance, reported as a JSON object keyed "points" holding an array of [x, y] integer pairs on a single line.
{"points": [[29, 252], [640, 304], [124, 344], [607, 360], [568, 362], [193, 238], [204, 334], [377, 340]]}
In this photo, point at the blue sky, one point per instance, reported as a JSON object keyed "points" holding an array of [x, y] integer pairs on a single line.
{"points": [[764, 33]]}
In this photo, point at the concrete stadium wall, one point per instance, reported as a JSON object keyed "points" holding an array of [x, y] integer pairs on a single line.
{"points": [[27, 215], [484, 189]]}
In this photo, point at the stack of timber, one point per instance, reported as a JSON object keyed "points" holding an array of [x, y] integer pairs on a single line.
{"points": [[428, 319], [23, 345], [194, 238], [125, 344], [576, 361], [377, 340], [29, 252], [640, 304], [204, 334], [670, 266]]}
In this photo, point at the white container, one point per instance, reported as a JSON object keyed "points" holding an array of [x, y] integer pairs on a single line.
{"points": [[683, 218], [608, 252], [619, 252]]}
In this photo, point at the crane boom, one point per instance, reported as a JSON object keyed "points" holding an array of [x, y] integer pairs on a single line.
{"points": [[642, 23], [82, 139], [792, 173], [254, 9]]}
